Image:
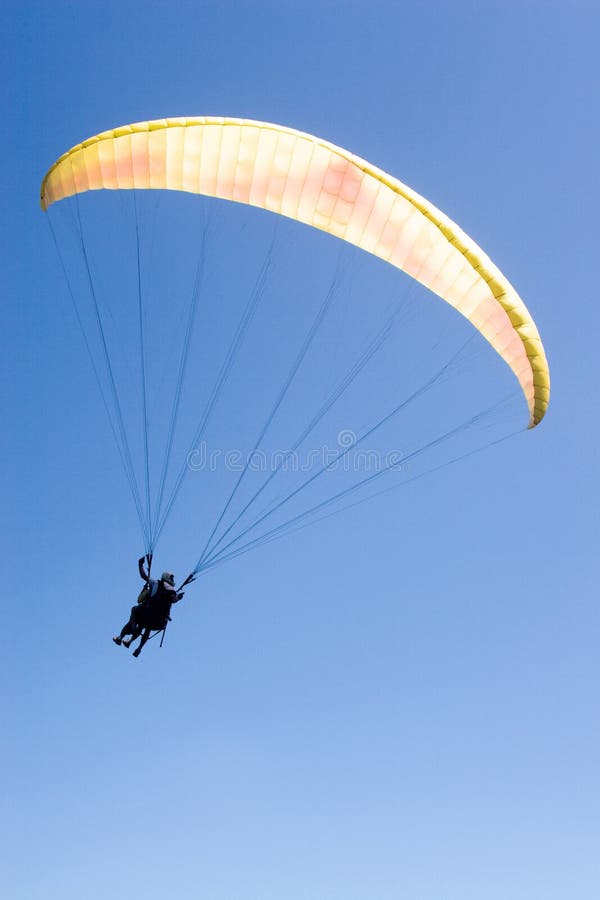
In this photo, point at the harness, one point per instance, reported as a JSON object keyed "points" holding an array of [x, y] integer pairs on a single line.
{"points": [[158, 601]]}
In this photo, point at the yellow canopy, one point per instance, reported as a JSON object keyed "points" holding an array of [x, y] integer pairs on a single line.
{"points": [[315, 182]]}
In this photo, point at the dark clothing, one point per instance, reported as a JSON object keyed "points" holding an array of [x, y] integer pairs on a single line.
{"points": [[152, 610], [158, 606], [152, 613], [134, 625]]}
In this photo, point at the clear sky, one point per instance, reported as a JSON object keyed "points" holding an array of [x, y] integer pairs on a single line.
{"points": [[399, 702]]}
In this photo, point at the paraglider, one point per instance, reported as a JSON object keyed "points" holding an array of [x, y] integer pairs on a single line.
{"points": [[309, 180], [153, 608]]}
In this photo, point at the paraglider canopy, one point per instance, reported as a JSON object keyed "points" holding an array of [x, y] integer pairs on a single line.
{"points": [[315, 182]]}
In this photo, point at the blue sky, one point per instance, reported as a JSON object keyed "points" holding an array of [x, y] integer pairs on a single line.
{"points": [[400, 701]]}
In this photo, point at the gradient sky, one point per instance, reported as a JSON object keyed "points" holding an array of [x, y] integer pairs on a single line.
{"points": [[403, 705]]}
